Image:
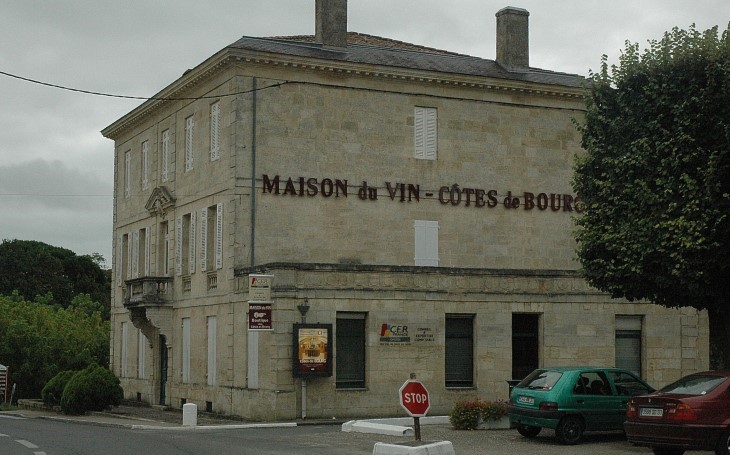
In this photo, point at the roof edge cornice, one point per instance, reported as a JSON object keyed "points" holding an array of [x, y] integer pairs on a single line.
{"points": [[191, 78]]}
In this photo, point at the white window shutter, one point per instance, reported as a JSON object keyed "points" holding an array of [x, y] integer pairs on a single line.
{"points": [[120, 259], [145, 151], [165, 155], [425, 128], [178, 246], [147, 248], [431, 133], [419, 128], [191, 243], [203, 239], [135, 254], [219, 236], [189, 125], [127, 172], [426, 243], [215, 114], [130, 253]]}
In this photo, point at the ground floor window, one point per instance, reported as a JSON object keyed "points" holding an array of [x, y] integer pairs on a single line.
{"points": [[628, 343], [525, 344], [350, 350], [459, 364]]}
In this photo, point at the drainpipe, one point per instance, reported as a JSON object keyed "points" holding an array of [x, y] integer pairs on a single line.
{"points": [[253, 174]]}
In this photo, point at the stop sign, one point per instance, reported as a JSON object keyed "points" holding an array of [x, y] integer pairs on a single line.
{"points": [[414, 398]]}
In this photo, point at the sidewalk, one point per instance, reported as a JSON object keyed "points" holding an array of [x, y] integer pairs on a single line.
{"points": [[148, 417]]}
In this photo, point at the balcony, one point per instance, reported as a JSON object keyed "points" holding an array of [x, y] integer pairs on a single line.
{"points": [[148, 291]]}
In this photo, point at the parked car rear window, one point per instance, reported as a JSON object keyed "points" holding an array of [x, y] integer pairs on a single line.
{"points": [[540, 379], [694, 385]]}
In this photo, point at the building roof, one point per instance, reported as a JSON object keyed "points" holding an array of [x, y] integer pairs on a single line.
{"points": [[375, 50]]}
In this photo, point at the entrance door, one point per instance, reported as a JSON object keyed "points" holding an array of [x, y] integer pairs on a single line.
{"points": [[163, 369]]}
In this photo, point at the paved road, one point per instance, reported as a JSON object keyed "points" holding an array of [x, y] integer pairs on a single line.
{"points": [[50, 436]]}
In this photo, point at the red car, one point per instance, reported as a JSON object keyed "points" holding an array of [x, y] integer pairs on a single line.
{"points": [[690, 414]]}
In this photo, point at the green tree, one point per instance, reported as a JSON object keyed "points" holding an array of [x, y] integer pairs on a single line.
{"points": [[37, 269], [656, 176], [38, 340]]}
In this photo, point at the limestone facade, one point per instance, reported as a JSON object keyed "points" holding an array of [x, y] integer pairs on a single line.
{"points": [[303, 161]]}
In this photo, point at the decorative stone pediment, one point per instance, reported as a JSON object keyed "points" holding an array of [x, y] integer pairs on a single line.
{"points": [[160, 201]]}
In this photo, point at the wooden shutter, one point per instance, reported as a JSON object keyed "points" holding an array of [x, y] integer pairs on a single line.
{"points": [[203, 239], [120, 260], [219, 236], [147, 248], [426, 239], [165, 154], [178, 246], [425, 127], [215, 113], [189, 125], [191, 244]]}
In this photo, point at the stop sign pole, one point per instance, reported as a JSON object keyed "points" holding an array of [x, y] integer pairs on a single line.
{"points": [[415, 400]]}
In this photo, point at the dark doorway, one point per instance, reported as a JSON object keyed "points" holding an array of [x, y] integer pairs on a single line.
{"points": [[525, 344], [163, 369]]}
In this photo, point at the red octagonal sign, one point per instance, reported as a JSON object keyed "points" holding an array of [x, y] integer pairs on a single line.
{"points": [[414, 398]]}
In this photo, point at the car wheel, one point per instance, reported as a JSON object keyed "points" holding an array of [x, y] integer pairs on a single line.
{"points": [[723, 445], [528, 431], [570, 429], [666, 451]]}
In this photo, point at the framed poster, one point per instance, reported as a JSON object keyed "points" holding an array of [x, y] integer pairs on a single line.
{"points": [[312, 350]]}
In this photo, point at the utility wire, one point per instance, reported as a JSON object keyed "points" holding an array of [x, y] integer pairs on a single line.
{"points": [[160, 98]]}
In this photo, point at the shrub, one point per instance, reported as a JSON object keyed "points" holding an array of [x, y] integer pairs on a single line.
{"points": [[53, 390], [466, 414], [92, 389]]}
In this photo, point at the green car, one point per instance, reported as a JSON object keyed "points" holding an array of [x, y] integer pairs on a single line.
{"points": [[572, 400]]}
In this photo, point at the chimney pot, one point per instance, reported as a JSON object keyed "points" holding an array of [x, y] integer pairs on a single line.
{"points": [[513, 44], [331, 23]]}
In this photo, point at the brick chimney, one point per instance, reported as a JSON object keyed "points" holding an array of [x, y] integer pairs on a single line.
{"points": [[513, 43], [331, 23]]}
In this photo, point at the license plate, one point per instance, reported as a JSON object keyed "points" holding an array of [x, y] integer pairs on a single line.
{"points": [[651, 412], [526, 400]]}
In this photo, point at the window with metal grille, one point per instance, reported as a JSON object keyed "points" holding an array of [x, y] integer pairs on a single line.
{"points": [[459, 367]]}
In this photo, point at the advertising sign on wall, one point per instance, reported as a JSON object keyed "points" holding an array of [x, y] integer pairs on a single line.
{"points": [[259, 287], [259, 316], [312, 350], [401, 334]]}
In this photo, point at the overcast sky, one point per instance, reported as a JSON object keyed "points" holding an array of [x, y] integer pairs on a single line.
{"points": [[55, 167]]}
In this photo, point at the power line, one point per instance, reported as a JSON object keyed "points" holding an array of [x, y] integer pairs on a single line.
{"points": [[160, 98]]}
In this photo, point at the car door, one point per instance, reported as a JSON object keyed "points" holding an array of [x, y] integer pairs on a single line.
{"points": [[624, 386], [595, 401]]}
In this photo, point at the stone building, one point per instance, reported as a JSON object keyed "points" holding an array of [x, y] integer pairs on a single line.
{"points": [[413, 205]]}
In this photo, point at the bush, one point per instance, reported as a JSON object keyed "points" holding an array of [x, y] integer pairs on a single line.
{"points": [[53, 390], [466, 414], [92, 389]]}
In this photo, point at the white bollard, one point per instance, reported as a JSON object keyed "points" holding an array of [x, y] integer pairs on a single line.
{"points": [[190, 415]]}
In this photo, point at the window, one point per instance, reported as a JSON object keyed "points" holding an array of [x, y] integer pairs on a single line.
{"points": [[425, 126], [427, 243], [122, 259], [165, 155], [350, 351], [185, 372], [140, 353], [145, 179], [212, 329], [215, 114], [211, 238], [124, 367], [127, 172], [628, 343], [525, 344], [189, 126], [141, 253], [459, 350], [185, 244]]}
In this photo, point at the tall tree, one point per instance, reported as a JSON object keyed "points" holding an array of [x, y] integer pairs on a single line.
{"points": [[656, 176], [37, 269]]}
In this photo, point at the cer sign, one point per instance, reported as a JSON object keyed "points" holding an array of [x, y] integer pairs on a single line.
{"points": [[414, 398]]}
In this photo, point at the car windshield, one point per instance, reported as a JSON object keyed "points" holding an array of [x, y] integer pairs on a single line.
{"points": [[694, 385], [540, 379]]}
